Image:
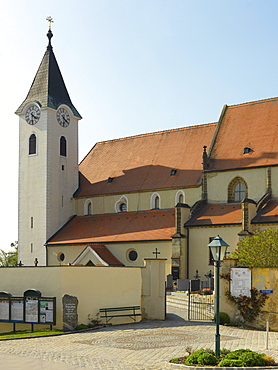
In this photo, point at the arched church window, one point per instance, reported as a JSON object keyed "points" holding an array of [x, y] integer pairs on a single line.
{"points": [[155, 201], [32, 144], [88, 207], [63, 146], [237, 190], [180, 197], [123, 207], [122, 204]]}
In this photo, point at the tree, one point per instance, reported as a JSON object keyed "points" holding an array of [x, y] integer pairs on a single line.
{"points": [[9, 258], [258, 250]]}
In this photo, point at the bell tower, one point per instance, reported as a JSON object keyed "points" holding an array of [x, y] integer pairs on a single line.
{"points": [[48, 159]]}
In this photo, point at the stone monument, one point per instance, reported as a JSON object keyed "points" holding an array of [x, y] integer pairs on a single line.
{"points": [[70, 316]]}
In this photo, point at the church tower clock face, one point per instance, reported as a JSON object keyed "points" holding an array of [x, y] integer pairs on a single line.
{"points": [[63, 117], [32, 115]]}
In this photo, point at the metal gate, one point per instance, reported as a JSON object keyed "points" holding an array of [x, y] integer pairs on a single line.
{"points": [[200, 307]]}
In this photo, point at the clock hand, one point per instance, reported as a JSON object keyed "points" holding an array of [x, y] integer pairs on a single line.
{"points": [[64, 118]]}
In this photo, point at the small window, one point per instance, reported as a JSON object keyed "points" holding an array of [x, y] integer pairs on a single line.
{"points": [[32, 222], [239, 192], [61, 257], [32, 144], [89, 208], [132, 255], [247, 150], [181, 198], [173, 172], [122, 204], [155, 201], [63, 146], [123, 207]]}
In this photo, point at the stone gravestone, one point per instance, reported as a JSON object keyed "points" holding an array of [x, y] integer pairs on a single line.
{"points": [[169, 283], [195, 285], [182, 284], [70, 316]]}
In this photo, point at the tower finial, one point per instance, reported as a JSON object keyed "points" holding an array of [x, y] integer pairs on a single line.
{"points": [[49, 33], [50, 20]]}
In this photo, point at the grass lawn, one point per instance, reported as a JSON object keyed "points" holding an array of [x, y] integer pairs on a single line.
{"points": [[29, 333]]}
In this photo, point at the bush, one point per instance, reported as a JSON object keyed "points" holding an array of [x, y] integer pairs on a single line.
{"points": [[193, 358], [206, 359], [237, 358], [226, 362], [252, 359], [224, 318]]}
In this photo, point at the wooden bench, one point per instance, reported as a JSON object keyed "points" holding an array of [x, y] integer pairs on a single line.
{"points": [[111, 312]]}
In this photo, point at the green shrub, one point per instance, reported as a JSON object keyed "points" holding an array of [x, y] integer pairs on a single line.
{"points": [[206, 359], [226, 362], [251, 359], [224, 318], [237, 353], [193, 358]]}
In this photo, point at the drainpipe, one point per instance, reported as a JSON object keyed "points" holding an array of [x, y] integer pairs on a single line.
{"points": [[187, 253]]}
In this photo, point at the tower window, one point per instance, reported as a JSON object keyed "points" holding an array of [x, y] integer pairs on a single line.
{"points": [[32, 144], [63, 146], [32, 222]]}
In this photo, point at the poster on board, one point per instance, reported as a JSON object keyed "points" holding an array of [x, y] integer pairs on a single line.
{"points": [[240, 282], [32, 310], [17, 309], [4, 309]]}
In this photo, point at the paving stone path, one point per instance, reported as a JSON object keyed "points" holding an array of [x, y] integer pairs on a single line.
{"points": [[148, 345]]}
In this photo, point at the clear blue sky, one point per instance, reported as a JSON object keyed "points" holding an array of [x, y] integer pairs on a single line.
{"points": [[134, 66]]}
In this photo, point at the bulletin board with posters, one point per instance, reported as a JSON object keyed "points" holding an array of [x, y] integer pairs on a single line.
{"points": [[32, 308]]}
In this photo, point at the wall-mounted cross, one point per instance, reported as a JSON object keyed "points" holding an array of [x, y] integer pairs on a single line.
{"points": [[156, 252]]}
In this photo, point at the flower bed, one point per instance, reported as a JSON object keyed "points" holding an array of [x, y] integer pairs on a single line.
{"points": [[241, 358]]}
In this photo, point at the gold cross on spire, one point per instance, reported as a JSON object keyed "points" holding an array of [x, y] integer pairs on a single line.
{"points": [[50, 20]]}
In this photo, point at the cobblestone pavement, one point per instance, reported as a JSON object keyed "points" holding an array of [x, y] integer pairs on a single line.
{"points": [[142, 346]]}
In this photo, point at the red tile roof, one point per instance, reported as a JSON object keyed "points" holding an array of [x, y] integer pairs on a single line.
{"points": [[250, 125], [268, 214], [117, 227], [217, 214], [144, 162]]}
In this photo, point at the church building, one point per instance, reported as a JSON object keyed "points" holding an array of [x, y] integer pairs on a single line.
{"points": [[156, 195]]}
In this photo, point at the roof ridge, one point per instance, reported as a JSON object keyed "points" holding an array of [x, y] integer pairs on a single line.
{"points": [[253, 102], [158, 132]]}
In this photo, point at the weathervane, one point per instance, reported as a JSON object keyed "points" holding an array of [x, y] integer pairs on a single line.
{"points": [[50, 20]]}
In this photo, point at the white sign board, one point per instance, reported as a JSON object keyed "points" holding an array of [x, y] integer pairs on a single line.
{"points": [[240, 282]]}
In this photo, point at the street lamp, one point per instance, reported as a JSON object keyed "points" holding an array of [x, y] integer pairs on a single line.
{"points": [[218, 250]]}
